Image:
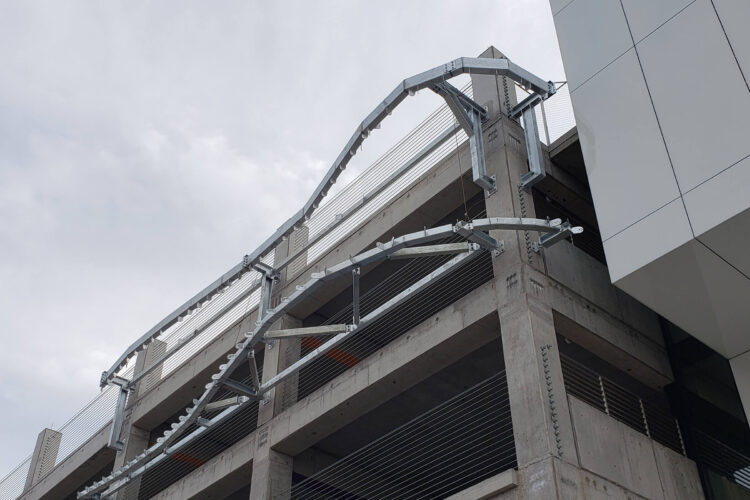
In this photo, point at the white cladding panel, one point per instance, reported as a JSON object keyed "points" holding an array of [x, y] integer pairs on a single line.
{"points": [[615, 168], [719, 198], [665, 230], [645, 16], [583, 21], [674, 111], [699, 95], [734, 16]]}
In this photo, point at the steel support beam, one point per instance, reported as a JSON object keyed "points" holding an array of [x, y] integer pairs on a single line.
{"points": [[117, 421], [484, 240], [432, 250], [310, 331], [224, 403], [469, 115], [565, 231], [240, 388], [254, 370], [533, 149], [478, 165], [355, 296]]}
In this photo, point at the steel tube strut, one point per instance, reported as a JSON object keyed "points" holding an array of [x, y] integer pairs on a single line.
{"points": [[463, 65], [355, 294]]}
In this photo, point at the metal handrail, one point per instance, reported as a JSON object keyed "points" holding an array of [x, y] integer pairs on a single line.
{"points": [[647, 417]]}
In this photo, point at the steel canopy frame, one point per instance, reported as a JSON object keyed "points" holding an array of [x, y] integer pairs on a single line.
{"points": [[382, 251], [463, 65]]}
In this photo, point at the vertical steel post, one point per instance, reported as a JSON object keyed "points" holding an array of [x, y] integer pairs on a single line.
{"points": [[679, 435], [544, 122], [355, 296], [533, 149], [643, 415], [604, 395], [265, 296], [117, 420], [254, 370], [478, 165]]}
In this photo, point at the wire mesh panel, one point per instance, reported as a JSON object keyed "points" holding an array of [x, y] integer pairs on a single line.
{"points": [[11, 486], [461, 442]]}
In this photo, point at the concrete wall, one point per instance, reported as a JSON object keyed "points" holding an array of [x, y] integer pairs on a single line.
{"points": [[612, 450]]}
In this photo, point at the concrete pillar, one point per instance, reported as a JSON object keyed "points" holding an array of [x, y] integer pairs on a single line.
{"points": [[44, 457], [542, 428], [496, 93], [272, 471], [506, 159], [145, 359], [539, 407], [279, 355], [135, 439]]}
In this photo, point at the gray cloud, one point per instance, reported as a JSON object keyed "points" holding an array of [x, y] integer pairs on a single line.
{"points": [[145, 147]]}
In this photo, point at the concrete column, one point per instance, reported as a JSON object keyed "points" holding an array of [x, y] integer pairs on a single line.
{"points": [[539, 407], [145, 359], [496, 93], [506, 159], [44, 457], [135, 439], [272, 471], [279, 355]]}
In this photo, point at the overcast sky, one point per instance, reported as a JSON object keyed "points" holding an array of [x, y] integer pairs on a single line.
{"points": [[145, 147]]}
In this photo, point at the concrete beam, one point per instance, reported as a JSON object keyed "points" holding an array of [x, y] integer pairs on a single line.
{"points": [[489, 488], [226, 472]]}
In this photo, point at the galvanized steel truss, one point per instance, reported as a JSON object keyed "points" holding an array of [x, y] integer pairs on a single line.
{"points": [[469, 116]]}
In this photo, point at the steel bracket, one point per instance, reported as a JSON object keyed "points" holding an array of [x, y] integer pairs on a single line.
{"points": [[469, 115], [484, 240], [549, 239], [533, 150], [240, 388]]}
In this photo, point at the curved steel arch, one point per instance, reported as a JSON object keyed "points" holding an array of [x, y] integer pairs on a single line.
{"points": [[470, 65]]}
